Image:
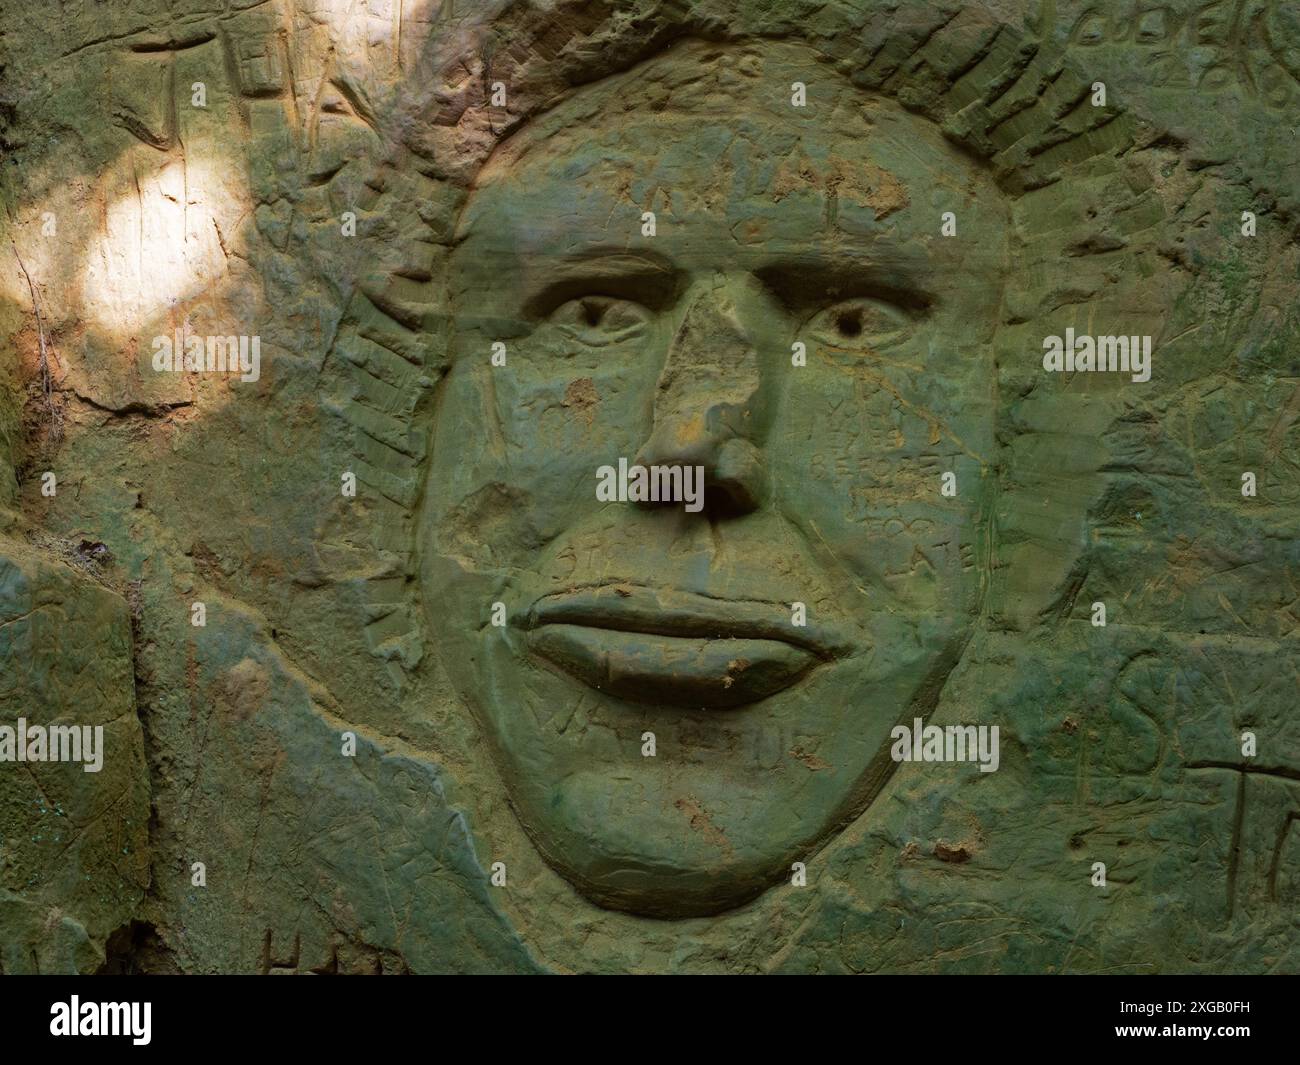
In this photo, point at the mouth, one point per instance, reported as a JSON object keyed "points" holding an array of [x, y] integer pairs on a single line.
{"points": [[667, 647]]}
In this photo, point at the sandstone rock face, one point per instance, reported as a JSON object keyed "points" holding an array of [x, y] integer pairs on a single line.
{"points": [[76, 842], [392, 678]]}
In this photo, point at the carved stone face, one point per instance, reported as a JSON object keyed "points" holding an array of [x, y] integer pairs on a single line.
{"points": [[774, 225]]}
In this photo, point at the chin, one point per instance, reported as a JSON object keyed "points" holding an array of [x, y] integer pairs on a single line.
{"points": [[660, 872]]}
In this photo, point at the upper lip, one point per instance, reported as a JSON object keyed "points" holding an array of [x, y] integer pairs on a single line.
{"points": [[625, 607]]}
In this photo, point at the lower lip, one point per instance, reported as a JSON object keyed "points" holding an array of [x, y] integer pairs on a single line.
{"points": [[672, 670]]}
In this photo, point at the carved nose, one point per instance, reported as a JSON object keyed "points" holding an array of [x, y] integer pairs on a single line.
{"points": [[706, 406]]}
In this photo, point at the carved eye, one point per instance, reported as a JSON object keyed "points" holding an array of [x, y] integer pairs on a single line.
{"points": [[598, 320], [857, 323]]}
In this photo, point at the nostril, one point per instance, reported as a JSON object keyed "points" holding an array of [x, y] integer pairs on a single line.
{"points": [[736, 479], [731, 468], [729, 499]]}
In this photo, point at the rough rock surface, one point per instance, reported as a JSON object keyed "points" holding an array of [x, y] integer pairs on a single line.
{"points": [[133, 212]]}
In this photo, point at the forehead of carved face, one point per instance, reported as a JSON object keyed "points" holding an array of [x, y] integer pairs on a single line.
{"points": [[844, 191], [684, 268]]}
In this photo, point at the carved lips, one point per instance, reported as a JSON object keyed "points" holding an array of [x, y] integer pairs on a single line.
{"points": [[668, 647]]}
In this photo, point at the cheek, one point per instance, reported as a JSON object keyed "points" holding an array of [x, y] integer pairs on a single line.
{"points": [[572, 404], [539, 427], [855, 433], [577, 416], [859, 464]]}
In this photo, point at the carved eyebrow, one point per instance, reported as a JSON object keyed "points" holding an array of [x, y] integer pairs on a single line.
{"points": [[804, 280], [647, 277]]}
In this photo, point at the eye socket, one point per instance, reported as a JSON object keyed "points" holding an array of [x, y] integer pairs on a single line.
{"points": [[859, 322], [599, 320]]}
